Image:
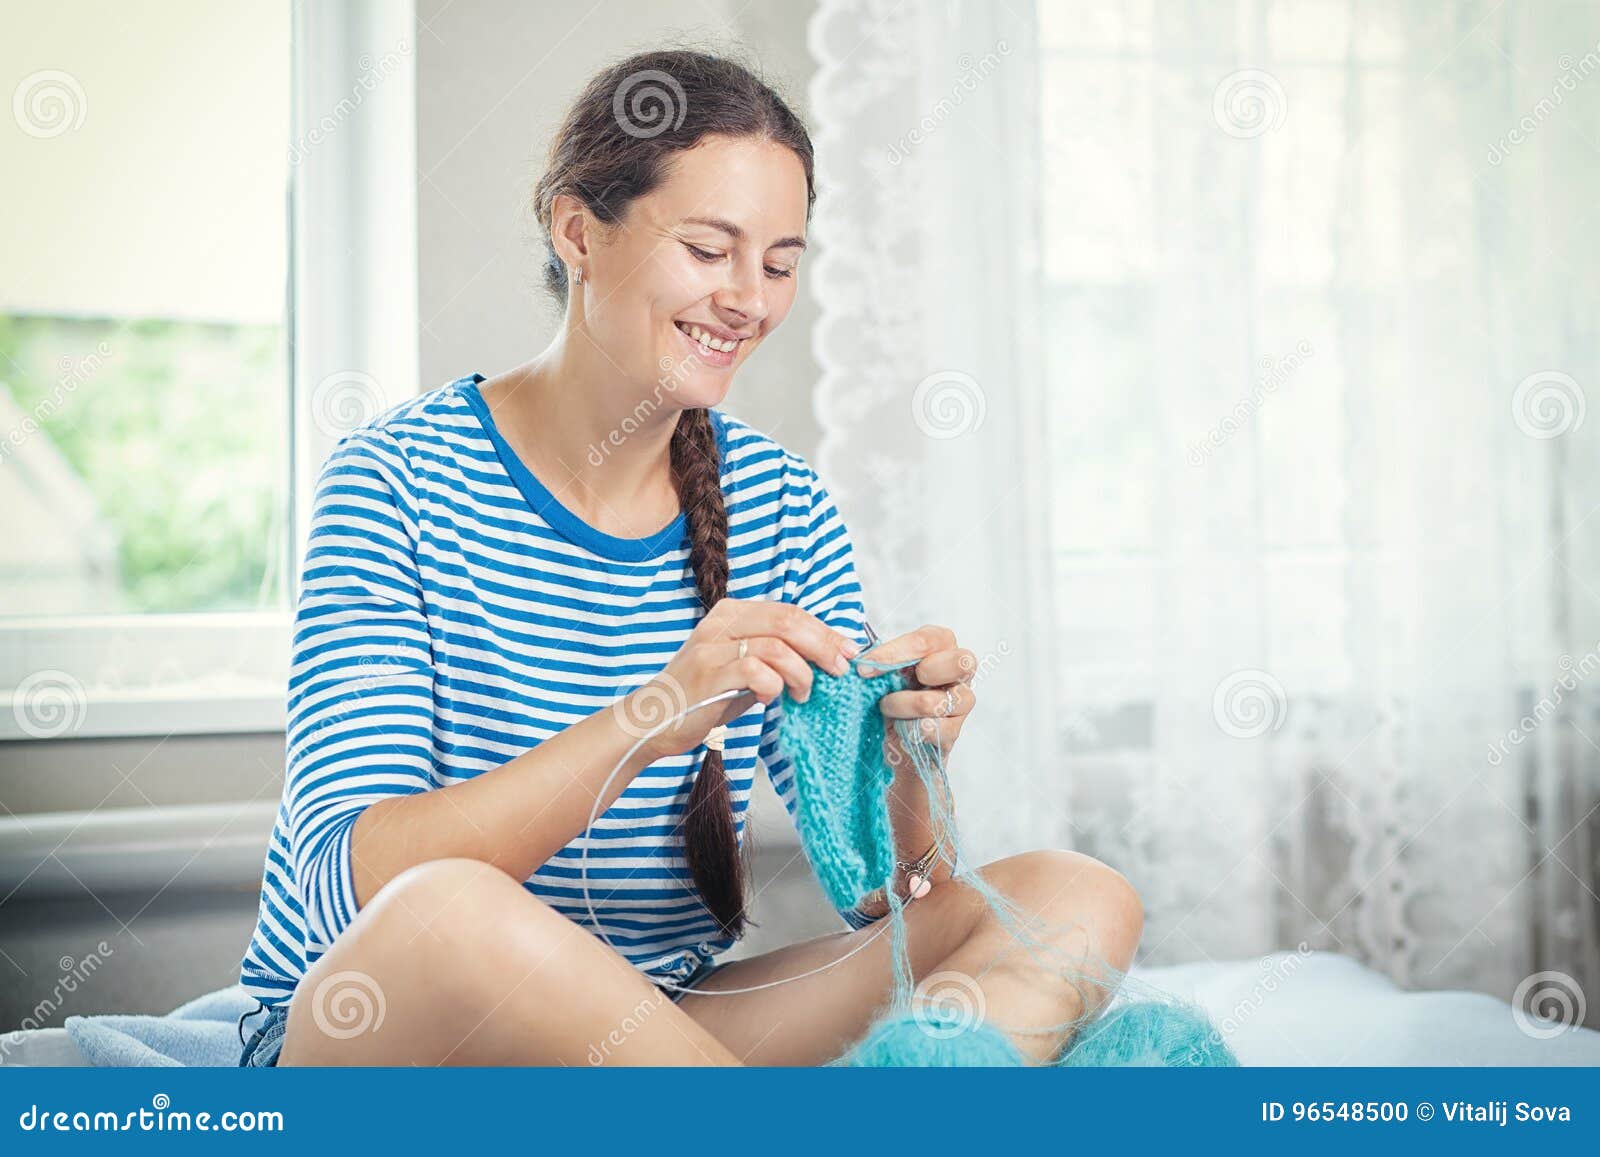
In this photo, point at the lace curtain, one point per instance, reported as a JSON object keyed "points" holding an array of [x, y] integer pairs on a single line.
{"points": [[1218, 371]]}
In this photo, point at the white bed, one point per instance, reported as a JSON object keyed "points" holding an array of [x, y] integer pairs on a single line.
{"points": [[1317, 1009]]}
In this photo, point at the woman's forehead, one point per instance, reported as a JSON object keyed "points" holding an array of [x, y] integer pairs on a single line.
{"points": [[755, 185]]}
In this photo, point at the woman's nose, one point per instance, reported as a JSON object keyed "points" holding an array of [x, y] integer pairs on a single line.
{"points": [[744, 294]]}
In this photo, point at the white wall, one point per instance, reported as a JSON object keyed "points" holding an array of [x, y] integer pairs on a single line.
{"points": [[494, 78]]}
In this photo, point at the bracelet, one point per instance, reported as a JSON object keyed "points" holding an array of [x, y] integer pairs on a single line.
{"points": [[917, 871], [917, 884]]}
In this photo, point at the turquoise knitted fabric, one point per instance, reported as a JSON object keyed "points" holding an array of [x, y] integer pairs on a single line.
{"points": [[834, 744], [1150, 1034], [1139, 1034], [932, 1041]]}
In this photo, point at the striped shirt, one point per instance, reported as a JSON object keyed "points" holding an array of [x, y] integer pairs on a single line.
{"points": [[453, 614]]}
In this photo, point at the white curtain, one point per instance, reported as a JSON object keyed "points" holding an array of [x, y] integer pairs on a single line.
{"points": [[1218, 371]]}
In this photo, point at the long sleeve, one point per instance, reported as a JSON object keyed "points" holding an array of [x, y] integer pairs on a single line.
{"points": [[361, 672], [822, 580]]}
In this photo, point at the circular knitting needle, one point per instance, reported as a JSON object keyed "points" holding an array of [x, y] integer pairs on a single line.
{"points": [[583, 865]]}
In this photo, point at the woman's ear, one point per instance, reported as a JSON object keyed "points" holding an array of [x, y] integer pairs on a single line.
{"points": [[570, 232]]}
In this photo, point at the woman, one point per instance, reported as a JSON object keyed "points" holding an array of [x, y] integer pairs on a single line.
{"points": [[492, 564]]}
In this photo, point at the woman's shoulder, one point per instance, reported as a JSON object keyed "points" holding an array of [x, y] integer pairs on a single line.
{"points": [[441, 410], [436, 417]]}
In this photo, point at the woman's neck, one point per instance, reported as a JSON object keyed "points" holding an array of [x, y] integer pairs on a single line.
{"points": [[584, 433]]}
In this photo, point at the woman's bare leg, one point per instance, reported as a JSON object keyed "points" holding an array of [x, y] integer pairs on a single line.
{"points": [[468, 968], [950, 930]]}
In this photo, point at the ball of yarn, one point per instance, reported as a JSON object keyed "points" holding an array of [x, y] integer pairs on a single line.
{"points": [[1153, 1034], [932, 1040]]}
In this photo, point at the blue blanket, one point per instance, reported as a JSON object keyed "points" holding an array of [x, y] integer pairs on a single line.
{"points": [[203, 1033]]}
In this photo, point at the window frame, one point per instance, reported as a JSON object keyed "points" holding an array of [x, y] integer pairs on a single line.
{"points": [[351, 312]]}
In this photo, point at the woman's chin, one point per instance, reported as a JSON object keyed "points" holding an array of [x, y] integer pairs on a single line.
{"points": [[702, 391]]}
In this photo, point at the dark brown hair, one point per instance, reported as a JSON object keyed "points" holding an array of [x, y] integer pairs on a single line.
{"points": [[615, 145]]}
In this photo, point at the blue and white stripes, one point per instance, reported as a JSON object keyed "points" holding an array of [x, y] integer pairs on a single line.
{"points": [[453, 614]]}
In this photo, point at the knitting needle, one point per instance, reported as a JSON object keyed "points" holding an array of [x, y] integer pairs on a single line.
{"points": [[872, 642]]}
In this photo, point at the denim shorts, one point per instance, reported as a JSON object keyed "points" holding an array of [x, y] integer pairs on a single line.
{"points": [[704, 969], [262, 1048]]}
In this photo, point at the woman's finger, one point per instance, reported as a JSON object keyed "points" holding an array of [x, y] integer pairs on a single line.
{"points": [[783, 659], [918, 644], [956, 665], [940, 703], [803, 631], [752, 674]]}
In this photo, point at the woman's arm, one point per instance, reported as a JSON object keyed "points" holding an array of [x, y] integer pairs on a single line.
{"points": [[520, 814], [360, 796], [515, 817]]}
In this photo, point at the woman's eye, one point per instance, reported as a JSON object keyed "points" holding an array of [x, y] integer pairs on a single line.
{"points": [[771, 272], [703, 254]]}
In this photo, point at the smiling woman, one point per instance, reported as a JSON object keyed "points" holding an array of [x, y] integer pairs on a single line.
{"points": [[705, 265], [492, 621]]}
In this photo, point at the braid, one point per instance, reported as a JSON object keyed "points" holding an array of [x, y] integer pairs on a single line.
{"points": [[710, 840]]}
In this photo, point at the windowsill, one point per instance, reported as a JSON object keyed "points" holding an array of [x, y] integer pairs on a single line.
{"points": [[165, 711], [104, 676]]}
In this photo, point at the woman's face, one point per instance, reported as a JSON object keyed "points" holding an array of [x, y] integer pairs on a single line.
{"points": [[700, 270]]}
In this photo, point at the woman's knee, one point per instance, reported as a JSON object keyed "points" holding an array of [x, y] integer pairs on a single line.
{"points": [[428, 943], [1057, 885], [440, 917], [456, 890]]}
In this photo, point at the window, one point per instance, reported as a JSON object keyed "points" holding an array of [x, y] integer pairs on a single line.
{"points": [[158, 328], [144, 388]]}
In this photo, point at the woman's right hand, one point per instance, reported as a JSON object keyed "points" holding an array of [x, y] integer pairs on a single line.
{"points": [[781, 642]]}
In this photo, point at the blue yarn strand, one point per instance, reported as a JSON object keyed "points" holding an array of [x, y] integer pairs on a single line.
{"points": [[834, 743]]}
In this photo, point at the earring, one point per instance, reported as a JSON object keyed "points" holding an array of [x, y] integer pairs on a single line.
{"points": [[577, 275]]}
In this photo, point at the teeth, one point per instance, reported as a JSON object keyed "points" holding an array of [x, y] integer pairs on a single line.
{"points": [[709, 343]]}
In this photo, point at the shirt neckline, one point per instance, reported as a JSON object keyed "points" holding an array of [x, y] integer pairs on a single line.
{"points": [[564, 521]]}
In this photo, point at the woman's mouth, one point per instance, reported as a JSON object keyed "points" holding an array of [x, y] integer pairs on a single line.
{"points": [[711, 349]]}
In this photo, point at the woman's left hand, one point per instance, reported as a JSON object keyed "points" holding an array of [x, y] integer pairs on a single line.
{"points": [[941, 694]]}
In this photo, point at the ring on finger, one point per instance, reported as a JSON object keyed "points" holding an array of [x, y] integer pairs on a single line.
{"points": [[949, 700], [744, 647]]}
